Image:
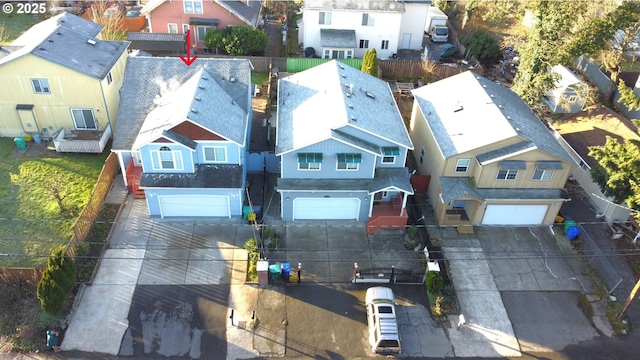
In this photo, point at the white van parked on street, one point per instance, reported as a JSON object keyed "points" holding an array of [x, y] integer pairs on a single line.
{"points": [[381, 318]]}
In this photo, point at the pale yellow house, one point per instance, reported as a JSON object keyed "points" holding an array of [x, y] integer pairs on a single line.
{"points": [[490, 158], [61, 81]]}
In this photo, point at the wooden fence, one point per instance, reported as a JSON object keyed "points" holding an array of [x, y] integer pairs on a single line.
{"points": [[20, 275], [89, 214], [428, 71]]}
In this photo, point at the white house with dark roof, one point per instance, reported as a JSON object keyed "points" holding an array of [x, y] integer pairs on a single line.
{"points": [[343, 147], [491, 159], [348, 28], [183, 142], [60, 80]]}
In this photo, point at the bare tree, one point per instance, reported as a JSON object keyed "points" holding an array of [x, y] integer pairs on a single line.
{"points": [[111, 17]]}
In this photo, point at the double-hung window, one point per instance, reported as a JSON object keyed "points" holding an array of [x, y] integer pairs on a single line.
{"points": [[309, 161], [192, 6], [202, 31], [349, 162], [390, 154], [166, 159], [215, 153], [367, 20], [507, 174], [462, 165], [325, 18], [40, 86], [173, 28], [83, 119], [542, 175]]}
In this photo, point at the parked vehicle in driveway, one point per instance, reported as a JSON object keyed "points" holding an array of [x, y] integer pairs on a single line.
{"points": [[381, 319], [436, 25]]}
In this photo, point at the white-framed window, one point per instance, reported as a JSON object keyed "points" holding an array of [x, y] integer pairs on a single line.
{"points": [[389, 154], [201, 30], [192, 7], [215, 153], [309, 161], [109, 78], [185, 27], [172, 28], [384, 45], [325, 18], [349, 54], [40, 86], [421, 155], [542, 175], [367, 20], [349, 162], [364, 44], [166, 159], [507, 174], [462, 165], [327, 53], [83, 119]]}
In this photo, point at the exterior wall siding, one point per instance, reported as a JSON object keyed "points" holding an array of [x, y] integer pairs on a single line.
{"points": [[69, 89], [433, 160], [236, 198], [413, 22], [289, 163], [287, 198], [187, 158], [112, 91]]}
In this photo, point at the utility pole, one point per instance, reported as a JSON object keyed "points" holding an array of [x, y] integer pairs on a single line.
{"points": [[629, 299]]}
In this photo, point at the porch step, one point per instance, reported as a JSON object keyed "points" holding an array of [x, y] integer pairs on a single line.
{"points": [[465, 229], [138, 194]]}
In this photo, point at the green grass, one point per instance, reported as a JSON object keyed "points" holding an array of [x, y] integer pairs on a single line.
{"points": [[15, 25], [259, 78], [31, 223]]}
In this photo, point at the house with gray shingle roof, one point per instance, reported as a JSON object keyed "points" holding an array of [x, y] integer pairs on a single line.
{"points": [[343, 146], [491, 159], [176, 17], [61, 81], [183, 143]]}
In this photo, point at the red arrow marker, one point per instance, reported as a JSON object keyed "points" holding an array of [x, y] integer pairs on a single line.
{"points": [[189, 60]]}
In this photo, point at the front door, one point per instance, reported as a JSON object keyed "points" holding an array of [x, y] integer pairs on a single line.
{"points": [[406, 41]]}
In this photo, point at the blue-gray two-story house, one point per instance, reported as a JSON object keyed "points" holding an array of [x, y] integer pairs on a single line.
{"points": [[183, 140], [343, 146]]}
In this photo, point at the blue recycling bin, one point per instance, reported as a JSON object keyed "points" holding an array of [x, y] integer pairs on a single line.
{"points": [[286, 270]]}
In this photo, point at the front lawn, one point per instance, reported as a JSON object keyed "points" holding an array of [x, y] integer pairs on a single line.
{"points": [[32, 222], [14, 26]]}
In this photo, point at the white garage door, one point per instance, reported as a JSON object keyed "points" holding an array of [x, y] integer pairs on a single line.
{"points": [[514, 214], [194, 205], [326, 209]]}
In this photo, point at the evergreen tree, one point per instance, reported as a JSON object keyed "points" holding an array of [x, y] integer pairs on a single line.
{"points": [[56, 282]]}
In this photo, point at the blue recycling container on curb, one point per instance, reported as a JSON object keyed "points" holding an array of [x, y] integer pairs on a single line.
{"points": [[286, 270]]}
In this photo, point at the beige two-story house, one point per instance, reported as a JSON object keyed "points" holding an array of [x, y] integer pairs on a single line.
{"points": [[491, 159]]}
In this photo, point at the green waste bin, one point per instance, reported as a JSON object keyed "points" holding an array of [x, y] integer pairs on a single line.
{"points": [[568, 224], [246, 210], [20, 142], [274, 272]]}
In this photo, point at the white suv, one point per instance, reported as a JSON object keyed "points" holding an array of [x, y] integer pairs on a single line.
{"points": [[381, 317]]}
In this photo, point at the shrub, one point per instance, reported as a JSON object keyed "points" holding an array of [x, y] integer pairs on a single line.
{"points": [[412, 231], [251, 246], [58, 278], [435, 282], [482, 46]]}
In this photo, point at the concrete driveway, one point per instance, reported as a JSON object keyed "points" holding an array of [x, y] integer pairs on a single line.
{"points": [[518, 292]]}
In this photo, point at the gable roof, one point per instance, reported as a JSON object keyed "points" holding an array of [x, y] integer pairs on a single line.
{"points": [[467, 111], [247, 11], [200, 100], [567, 77], [370, 5], [313, 104], [69, 41], [150, 83]]}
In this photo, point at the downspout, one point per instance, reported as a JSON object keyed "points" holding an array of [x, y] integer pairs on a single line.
{"points": [[106, 106]]}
